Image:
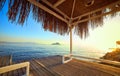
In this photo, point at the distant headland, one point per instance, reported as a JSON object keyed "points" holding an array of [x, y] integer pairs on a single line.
{"points": [[57, 43]]}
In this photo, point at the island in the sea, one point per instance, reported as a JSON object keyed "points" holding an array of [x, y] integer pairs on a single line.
{"points": [[114, 55], [57, 43]]}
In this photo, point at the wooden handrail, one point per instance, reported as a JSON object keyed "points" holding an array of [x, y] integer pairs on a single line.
{"points": [[14, 67], [101, 60]]}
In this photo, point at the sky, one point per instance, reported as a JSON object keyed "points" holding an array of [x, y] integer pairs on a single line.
{"points": [[101, 38]]}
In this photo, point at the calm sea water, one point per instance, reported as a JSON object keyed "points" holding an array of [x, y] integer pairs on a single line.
{"points": [[27, 51]]}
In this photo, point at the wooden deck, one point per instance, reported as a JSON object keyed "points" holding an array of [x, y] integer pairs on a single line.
{"points": [[78, 67], [52, 66]]}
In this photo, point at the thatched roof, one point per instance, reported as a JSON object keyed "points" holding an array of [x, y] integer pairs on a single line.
{"points": [[60, 16]]}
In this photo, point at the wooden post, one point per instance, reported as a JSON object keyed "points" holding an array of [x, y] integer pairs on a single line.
{"points": [[70, 41], [10, 59], [27, 69]]}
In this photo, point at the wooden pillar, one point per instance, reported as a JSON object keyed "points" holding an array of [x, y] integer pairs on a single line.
{"points": [[27, 69], [10, 59], [70, 41]]}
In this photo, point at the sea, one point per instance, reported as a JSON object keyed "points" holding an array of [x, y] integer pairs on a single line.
{"points": [[28, 51]]}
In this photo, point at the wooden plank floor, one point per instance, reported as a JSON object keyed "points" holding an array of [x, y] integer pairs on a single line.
{"points": [[78, 67], [52, 66]]}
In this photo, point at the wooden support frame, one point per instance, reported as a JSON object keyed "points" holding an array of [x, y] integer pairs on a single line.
{"points": [[49, 4], [58, 3], [110, 5], [47, 10], [73, 8], [71, 27], [15, 66], [94, 17], [70, 55], [69, 21]]}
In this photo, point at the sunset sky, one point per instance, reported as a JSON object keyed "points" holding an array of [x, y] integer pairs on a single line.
{"points": [[101, 38]]}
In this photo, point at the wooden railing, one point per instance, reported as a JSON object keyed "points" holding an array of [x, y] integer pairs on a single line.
{"points": [[64, 60], [93, 62], [93, 59], [14, 67], [99, 60]]}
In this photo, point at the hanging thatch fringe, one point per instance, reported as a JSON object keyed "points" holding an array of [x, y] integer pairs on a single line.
{"points": [[96, 22], [2, 2], [112, 9], [18, 10], [82, 29], [50, 22]]}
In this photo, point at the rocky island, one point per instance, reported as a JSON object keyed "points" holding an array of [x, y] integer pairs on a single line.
{"points": [[114, 55], [57, 43]]}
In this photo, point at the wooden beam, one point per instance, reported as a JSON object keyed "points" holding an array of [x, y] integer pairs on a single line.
{"points": [[49, 4], [58, 3], [34, 2], [107, 6], [118, 9], [73, 8]]}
